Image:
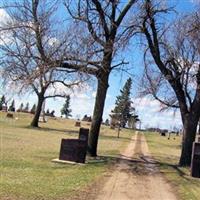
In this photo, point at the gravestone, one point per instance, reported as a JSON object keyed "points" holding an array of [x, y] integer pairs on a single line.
{"points": [[78, 124], [10, 115], [195, 163], [83, 134], [73, 150], [163, 133]]}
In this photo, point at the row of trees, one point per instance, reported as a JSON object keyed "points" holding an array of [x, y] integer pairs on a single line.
{"points": [[40, 55], [64, 111], [4, 104]]}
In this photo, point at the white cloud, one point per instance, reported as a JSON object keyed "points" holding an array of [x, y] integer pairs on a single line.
{"points": [[4, 35], [54, 42], [148, 111], [195, 1], [3, 16]]}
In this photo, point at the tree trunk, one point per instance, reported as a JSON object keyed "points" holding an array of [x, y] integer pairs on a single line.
{"points": [[189, 134], [102, 87], [36, 117]]}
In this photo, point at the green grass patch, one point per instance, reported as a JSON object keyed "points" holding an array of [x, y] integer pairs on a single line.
{"points": [[167, 153], [26, 153]]}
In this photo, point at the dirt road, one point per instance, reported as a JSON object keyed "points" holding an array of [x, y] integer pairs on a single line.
{"points": [[136, 176]]}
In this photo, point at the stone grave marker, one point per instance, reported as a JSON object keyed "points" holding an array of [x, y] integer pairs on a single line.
{"points": [[163, 133], [73, 150], [83, 134], [195, 163], [78, 124], [10, 115]]}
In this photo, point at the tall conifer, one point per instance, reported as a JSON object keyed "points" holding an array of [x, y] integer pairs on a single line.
{"points": [[66, 110], [123, 108]]}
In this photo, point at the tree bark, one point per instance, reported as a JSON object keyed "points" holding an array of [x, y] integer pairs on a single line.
{"points": [[36, 117], [102, 86], [190, 124]]}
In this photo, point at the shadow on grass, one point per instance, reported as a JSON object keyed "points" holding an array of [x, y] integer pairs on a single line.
{"points": [[45, 129], [115, 137]]}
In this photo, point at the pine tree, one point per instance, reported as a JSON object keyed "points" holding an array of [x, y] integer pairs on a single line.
{"points": [[2, 102], [33, 109], [26, 109], [52, 114], [107, 123], [12, 106], [66, 110], [123, 108], [47, 112], [21, 107]]}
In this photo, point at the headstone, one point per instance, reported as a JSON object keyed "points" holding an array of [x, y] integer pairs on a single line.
{"points": [[73, 150], [163, 133], [195, 163], [78, 124], [83, 134], [9, 115]]}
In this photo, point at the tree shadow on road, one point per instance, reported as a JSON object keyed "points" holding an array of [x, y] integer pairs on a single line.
{"points": [[141, 165]]}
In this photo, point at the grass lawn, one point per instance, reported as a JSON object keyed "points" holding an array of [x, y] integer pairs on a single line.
{"points": [[167, 153], [27, 172]]}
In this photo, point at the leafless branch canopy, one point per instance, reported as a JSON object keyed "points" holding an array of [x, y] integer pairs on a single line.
{"points": [[175, 51], [33, 45], [102, 25]]}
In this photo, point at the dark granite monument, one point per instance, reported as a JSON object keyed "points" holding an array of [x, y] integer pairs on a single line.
{"points": [[195, 163], [83, 134], [75, 149]]}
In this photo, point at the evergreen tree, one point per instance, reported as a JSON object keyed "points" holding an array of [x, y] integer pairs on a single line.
{"points": [[123, 108], [47, 112], [21, 107], [2, 101], [52, 114], [132, 121], [107, 123], [12, 106], [33, 109], [66, 110], [26, 109]]}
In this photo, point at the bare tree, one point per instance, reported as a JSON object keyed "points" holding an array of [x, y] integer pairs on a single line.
{"points": [[101, 24], [32, 48], [173, 77]]}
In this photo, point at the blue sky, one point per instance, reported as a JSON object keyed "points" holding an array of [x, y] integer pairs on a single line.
{"points": [[82, 102]]}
